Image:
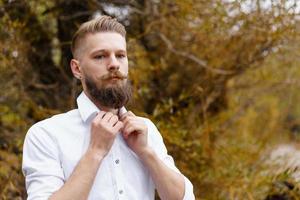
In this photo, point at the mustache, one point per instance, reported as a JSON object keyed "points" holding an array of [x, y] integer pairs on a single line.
{"points": [[116, 74]]}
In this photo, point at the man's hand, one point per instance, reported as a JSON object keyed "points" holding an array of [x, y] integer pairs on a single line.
{"points": [[135, 132], [104, 129]]}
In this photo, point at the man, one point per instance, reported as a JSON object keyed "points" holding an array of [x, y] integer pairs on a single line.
{"points": [[100, 150]]}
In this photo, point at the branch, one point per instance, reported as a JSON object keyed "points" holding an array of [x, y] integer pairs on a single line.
{"points": [[43, 86], [35, 84], [193, 58]]}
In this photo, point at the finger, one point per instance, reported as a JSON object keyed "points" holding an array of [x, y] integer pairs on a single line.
{"points": [[129, 113], [132, 128], [133, 121], [107, 116], [128, 123], [127, 119], [101, 114], [113, 120], [127, 131], [118, 126], [98, 117]]}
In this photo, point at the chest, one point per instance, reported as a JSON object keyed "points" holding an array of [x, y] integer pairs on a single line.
{"points": [[121, 174]]}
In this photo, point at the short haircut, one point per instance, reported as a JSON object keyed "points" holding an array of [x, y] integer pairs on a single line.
{"points": [[102, 23]]}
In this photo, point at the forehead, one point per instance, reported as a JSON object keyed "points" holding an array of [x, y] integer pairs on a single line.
{"points": [[104, 41]]}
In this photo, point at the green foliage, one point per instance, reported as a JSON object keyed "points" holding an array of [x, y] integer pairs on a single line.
{"points": [[220, 80]]}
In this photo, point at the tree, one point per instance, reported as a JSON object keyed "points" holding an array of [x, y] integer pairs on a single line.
{"points": [[184, 55]]}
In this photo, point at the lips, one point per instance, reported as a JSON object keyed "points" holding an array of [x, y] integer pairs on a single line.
{"points": [[114, 76]]}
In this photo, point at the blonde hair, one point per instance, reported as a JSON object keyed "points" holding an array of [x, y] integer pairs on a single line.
{"points": [[103, 23]]}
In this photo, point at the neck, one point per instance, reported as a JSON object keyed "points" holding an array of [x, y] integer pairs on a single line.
{"points": [[101, 107]]}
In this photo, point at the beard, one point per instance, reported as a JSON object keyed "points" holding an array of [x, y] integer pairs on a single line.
{"points": [[112, 96]]}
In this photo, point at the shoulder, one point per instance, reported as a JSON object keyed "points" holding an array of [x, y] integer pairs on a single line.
{"points": [[48, 126], [148, 122], [153, 131], [60, 118]]}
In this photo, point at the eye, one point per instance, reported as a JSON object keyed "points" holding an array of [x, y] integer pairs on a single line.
{"points": [[121, 56], [101, 56]]}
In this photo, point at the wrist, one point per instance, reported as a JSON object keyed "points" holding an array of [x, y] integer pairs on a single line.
{"points": [[96, 155], [146, 153]]}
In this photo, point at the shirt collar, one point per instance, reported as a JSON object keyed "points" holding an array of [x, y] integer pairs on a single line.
{"points": [[88, 109]]}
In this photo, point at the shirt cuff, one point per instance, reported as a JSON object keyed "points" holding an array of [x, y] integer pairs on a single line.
{"points": [[188, 192]]}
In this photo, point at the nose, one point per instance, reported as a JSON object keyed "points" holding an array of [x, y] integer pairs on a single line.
{"points": [[114, 64]]}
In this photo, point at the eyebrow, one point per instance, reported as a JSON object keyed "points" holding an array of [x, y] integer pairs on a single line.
{"points": [[105, 51]]}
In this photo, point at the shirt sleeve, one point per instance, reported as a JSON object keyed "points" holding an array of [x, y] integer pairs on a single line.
{"points": [[161, 150], [40, 165]]}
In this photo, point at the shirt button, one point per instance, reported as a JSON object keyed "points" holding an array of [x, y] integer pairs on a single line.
{"points": [[120, 191], [117, 161]]}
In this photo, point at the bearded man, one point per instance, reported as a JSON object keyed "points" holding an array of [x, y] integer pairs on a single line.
{"points": [[100, 151]]}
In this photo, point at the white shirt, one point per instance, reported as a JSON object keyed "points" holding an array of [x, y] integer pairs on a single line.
{"points": [[54, 146]]}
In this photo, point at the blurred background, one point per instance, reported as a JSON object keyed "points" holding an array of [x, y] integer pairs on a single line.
{"points": [[219, 78]]}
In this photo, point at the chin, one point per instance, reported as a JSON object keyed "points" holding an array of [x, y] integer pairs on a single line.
{"points": [[116, 83]]}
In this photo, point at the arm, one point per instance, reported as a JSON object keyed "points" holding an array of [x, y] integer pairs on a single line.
{"points": [[169, 183], [81, 180], [104, 128], [41, 162]]}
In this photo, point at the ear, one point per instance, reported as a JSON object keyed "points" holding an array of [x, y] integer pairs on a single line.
{"points": [[75, 67]]}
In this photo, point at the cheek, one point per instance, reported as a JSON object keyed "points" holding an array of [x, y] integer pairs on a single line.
{"points": [[125, 71], [125, 68], [89, 74], [94, 70]]}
